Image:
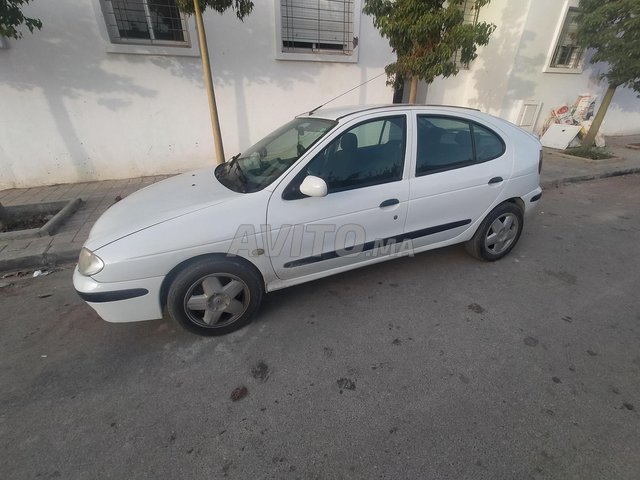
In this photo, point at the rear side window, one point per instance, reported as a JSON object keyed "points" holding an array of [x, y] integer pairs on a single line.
{"points": [[446, 143], [488, 144]]}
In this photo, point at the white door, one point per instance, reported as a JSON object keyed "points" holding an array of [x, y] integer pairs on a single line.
{"points": [[460, 169], [363, 212]]}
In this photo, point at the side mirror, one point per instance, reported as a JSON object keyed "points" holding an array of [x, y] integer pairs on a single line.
{"points": [[313, 186]]}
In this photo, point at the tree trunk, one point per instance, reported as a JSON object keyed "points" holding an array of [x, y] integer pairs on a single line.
{"points": [[398, 92], [206, 68], [4, 218], [413, 91], [590, 138]]}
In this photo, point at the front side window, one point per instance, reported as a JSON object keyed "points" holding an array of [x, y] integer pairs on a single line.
{"points": [[264, 162], [145, 22], [368, 154], [568, 53], [445, 143], [317, 26]]}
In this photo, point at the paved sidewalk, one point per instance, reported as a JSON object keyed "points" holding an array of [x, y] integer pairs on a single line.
{"points": [[560, 168], [65, 244]]}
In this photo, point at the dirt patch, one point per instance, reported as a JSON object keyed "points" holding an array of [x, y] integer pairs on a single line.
{"points": [[35, 219], [261, 372], [27, 221], [239, 393], [593, 153], [346, 384], [474, 307]]}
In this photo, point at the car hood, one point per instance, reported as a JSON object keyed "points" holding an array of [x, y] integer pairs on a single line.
{"points": [[158, 203]]}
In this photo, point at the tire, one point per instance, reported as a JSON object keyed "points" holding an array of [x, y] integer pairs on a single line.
{"points": [[213, 297], [495, 238]]}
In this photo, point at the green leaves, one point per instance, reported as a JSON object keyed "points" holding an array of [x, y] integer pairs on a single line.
{"points": [[426, 34], [241, 7], [11, 17], [612, 28]]}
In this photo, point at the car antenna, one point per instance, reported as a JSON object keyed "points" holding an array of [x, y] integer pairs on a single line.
{"points": [[311, 112]]}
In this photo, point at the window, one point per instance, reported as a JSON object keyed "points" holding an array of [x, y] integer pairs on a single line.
{"points": [[470, 12], [157, 22], [487, 144], [445, 143], [368, 154], [317, 26], [567, 53]]}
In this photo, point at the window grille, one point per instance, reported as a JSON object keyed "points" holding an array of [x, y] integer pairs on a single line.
{"points": [[470, 12], [568, 54], [145, 22], [324, 26]]}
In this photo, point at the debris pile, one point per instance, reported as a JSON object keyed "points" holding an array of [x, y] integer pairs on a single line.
{"points": [[579, 114]]}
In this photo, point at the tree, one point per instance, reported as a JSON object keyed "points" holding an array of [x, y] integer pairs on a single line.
{"points": [[11, 17], [430, 37], [612, 29], [190, 7], [241, 7]]}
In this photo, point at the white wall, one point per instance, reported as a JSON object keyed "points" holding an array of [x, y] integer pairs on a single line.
{"points": [[72, 111], [512, 69], [485, 85]]}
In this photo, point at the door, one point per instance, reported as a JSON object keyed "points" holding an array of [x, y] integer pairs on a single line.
{"points": [[460, 168], [364, 210]]}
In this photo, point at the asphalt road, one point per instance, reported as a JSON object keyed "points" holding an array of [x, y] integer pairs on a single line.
{"points": [[433, 367]]}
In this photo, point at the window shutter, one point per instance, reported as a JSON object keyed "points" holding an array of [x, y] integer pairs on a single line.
{"points": [[317, 24], [144, 21]]}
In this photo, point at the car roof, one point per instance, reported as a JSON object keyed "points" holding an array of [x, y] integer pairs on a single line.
{"points": [[337, 113]]}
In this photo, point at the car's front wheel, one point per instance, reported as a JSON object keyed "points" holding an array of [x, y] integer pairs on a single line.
{"points": [[498, 233], [215, 296]]}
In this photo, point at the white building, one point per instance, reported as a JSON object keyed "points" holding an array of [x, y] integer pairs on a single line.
{"points": [[532, 65], [113, 88]]}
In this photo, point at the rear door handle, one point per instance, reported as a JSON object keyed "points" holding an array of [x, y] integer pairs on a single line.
{"points": [[390, 202], [495, 180]]}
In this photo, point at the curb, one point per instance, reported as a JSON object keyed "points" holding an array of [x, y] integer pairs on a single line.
{"points": [[42, 260], [586, 178], [59, 218]]}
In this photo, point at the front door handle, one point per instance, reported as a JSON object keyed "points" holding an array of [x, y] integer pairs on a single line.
{"points": [[495, 180], [390, 202]]}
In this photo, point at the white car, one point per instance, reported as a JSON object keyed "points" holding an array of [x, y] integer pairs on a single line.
{"points": [[332, 190]]}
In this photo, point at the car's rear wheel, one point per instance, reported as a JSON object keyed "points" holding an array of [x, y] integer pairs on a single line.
{"points": [[498, 233], [215, 296]]}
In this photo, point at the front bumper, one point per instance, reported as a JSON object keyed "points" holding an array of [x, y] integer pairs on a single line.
{"points": [[129, 301]]}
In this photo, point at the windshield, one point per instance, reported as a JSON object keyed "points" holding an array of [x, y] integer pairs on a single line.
{"points": [[264, 162]]}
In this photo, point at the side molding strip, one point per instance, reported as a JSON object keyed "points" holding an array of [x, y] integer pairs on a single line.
{"points": [[377, 243]]}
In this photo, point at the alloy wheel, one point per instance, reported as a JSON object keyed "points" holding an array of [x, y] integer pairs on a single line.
{"points": [[502, 233], [217, 300]]}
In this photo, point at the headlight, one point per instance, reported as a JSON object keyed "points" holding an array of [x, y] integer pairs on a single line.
{"points": [[89, 263]]}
